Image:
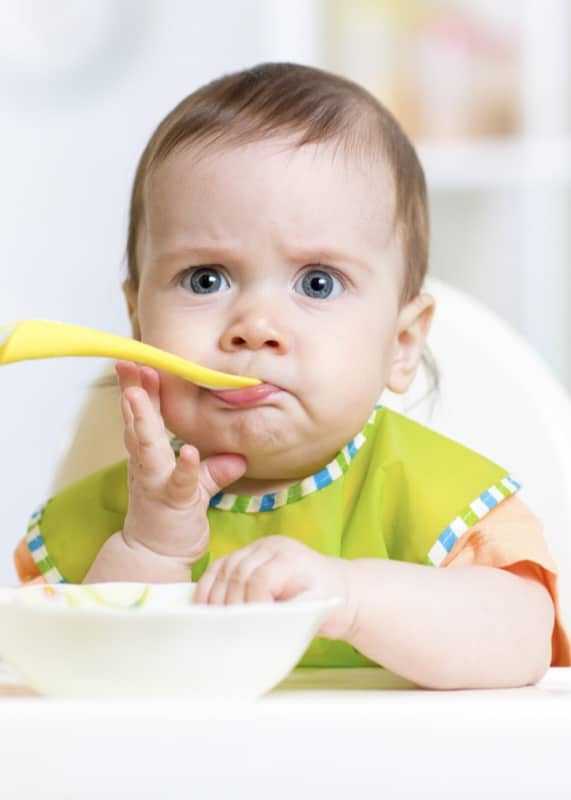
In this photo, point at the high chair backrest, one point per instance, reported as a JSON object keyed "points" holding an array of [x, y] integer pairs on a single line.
{"points": [[495, 396], [498, 397]]}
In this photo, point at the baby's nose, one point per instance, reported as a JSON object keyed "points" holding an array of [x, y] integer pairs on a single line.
{"points": [[255, 332]]}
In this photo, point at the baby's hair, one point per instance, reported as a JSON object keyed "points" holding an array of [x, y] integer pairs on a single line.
{"points": [[311, 106]]}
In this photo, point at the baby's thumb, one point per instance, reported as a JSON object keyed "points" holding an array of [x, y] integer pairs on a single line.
{"points": [[218, 471]]}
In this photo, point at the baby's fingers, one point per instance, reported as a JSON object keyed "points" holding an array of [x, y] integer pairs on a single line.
{"points": [[182, 484], [128, 374], [150, 382], [129, 437], [131, 374], [146, 440]]}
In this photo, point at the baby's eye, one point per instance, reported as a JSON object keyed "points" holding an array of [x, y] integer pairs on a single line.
{"points": [[204, 280], [320, 284]]}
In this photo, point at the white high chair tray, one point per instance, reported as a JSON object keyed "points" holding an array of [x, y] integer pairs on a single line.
{"points": [[321, 733]]}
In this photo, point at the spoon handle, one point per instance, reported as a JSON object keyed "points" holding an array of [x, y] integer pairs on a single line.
{"points": [[31, 339]]}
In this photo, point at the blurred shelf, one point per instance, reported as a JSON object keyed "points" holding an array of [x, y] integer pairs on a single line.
{"points": [[496, 163]]}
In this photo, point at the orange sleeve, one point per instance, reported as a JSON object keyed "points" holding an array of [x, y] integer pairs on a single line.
{"points": [[511, 537], [26, 568]]}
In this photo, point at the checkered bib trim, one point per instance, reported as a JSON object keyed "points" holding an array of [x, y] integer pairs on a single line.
{"points": [[476, 511], [37, 547]]}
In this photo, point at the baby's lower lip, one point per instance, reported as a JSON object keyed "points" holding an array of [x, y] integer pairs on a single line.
{"points": [[247, 397]]}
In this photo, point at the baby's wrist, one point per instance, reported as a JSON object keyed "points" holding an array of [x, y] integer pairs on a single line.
{"points": [[342, 621], [183, 540], [185, 556], [123, 560]]}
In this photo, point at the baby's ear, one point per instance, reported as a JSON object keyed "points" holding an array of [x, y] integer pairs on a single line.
{"points": [[131, 293], [413, 325]]}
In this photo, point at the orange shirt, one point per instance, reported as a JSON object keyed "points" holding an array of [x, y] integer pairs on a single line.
{"points": [[511, 537]]}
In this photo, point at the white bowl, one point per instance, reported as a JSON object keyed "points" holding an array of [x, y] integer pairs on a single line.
{"points": [[134, 639]]}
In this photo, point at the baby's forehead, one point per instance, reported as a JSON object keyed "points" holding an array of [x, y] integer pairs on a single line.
{"points": [[317, 177], [338, 154]]}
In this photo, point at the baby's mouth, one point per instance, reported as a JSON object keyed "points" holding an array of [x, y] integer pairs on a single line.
{"points": [[247, 397]]}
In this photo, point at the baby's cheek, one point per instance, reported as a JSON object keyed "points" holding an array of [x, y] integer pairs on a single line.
{"points": [[188, 414], [178, 402]]}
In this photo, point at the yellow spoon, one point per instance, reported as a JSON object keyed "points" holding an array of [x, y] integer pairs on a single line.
{"points": [[36, 338]]}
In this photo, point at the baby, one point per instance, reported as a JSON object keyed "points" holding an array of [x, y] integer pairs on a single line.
{"points": [[279, 229]]}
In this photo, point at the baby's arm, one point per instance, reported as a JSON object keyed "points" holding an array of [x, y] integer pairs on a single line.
{"points": [[452, 628], [446, 628], [166, 527]]}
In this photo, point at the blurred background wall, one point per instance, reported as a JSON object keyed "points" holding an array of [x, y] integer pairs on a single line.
{"points": [[482, 87]]}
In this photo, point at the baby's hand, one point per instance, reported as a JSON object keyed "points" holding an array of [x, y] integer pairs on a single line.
{"points": [[168, 498], [279, 568]]}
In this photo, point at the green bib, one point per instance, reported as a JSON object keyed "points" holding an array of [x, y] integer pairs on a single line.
{"points": [[397, 490]]}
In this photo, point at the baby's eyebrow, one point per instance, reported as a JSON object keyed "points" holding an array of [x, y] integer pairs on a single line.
{"points": [[328, 255], [211, 253]]}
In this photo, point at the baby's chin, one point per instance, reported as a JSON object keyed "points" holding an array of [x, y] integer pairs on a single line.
{"points": [[254, 433], [277, 457]]}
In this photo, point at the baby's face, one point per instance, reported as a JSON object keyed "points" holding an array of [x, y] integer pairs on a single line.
{"points": [[277, 263]]}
